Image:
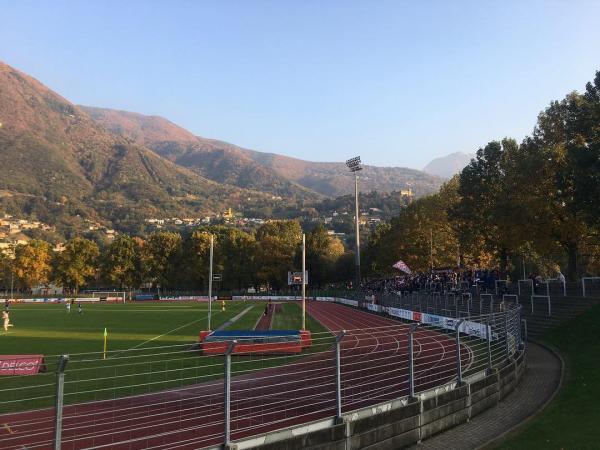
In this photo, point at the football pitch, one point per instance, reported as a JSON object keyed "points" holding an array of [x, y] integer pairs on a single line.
{"points": [[150, 347]]}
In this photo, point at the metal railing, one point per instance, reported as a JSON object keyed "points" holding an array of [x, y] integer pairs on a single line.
{"points": [[176, 397]]}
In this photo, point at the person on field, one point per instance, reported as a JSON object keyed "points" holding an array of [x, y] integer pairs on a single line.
{"points": [[6, 305], [68, 307], [6, 320], [79, 309]]}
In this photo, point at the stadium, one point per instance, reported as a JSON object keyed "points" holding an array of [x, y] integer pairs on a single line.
{"points": [[365, 356]]}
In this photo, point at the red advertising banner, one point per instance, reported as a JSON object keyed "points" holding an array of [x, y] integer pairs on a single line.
{"points": [[21, 364]]}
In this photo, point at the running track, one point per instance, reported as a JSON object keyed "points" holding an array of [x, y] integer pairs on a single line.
{"points": [[374, 369]]}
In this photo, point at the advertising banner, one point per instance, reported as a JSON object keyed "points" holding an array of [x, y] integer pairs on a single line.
{"points": [[21, 364]]}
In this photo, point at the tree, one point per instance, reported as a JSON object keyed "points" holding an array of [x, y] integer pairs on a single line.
{"points": [[486, 212], [239, 258], [32, 264], [322, 254], [278, 244], [76, 264], [121, 262], [194, 270], [161, 256]]}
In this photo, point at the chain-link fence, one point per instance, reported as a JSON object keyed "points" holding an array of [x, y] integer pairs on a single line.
{"points": [[178, 397]]}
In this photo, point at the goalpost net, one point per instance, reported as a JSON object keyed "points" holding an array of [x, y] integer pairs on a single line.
{"points": [[110, 296]]}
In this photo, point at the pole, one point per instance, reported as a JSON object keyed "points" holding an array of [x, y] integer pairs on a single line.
{"points": [[105, 335], [227, 391], [506, 336], [431, 248], [338, 374], [210, 280], [303, 281], [488, 338], [411, 362], [458, 361], [58, 403], [357, 230]]}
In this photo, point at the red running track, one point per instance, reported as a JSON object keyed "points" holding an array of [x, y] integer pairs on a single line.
{"points": [[374, 368]]}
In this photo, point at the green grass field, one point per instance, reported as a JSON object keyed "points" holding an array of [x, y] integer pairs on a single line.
{"points": [[571, 420], [151, 347]]}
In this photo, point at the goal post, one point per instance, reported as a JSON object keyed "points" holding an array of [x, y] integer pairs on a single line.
{"points": [[110, 296]]}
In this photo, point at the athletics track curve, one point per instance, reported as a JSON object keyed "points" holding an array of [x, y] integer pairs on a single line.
{"points": [[374, 368]]}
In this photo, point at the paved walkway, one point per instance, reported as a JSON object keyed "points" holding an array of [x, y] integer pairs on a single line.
{"points": [[539, 382]]}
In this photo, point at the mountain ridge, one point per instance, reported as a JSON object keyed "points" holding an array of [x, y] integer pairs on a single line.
{"points": [[218, 160], [449, 165], [60, 164]]}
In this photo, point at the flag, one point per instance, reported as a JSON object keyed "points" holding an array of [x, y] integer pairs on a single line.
{"points": [[401, 265]]}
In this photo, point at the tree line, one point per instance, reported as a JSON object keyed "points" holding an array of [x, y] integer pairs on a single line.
{"points": [[533, 205], [168, 260]]}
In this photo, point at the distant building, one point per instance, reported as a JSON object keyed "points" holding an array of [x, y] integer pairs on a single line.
{"points": [[407, 193], [48, 289]]}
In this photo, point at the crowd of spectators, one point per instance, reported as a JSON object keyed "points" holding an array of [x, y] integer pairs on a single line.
{"points": [[435, 280]]}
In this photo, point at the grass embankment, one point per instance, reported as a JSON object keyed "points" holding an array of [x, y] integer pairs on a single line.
{"points": [[572, 419]]}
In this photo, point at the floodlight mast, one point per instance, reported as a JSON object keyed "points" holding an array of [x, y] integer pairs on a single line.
{"points": [[354, 166]]}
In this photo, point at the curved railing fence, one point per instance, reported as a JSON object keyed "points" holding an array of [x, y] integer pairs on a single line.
{"points": [[391, 350]]}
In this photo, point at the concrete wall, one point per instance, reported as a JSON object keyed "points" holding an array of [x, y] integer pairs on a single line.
{"points": [[403, 422]]}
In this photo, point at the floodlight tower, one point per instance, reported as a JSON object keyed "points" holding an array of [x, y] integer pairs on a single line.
{"points": [[354, 166]]}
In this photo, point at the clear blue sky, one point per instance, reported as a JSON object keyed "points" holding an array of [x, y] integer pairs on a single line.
{"points": [[397, 82]]}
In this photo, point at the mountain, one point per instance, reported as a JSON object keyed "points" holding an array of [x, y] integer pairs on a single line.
{"points": [[449, 165], [333, 179], [277, 174], [219, 161], [60, 165]]}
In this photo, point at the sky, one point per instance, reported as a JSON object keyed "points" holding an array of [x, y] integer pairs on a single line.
{"points": [[396, 82]]}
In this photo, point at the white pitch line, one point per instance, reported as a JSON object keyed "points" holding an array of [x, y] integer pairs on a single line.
{"points": [[164, 334]]}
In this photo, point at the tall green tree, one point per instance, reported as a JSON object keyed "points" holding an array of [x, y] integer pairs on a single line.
{"points": [[121, 265], [76, 264], [485, 214], [161, 256], [278, 244], [322, 254], [194, 267]]}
